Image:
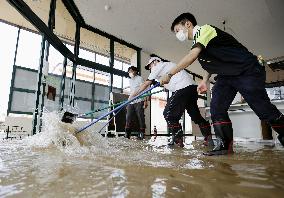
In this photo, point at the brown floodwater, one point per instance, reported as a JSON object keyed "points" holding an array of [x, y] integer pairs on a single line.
{"points": [[92, 166]]}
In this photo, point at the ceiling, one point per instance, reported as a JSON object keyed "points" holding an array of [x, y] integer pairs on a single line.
{"points": [[258, 24]]}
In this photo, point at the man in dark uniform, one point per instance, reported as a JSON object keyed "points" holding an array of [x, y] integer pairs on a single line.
{"points": [[237, 69]]}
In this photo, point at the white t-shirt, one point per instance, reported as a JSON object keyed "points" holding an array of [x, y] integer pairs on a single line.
{"points": [[134, 84], [178, 81]]}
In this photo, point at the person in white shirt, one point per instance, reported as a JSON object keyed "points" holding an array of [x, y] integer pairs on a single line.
{"points": [[137, 106], [184, 97]]}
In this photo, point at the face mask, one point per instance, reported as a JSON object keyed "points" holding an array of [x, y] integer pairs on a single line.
{"points": [[131, 75], [182, 35]]}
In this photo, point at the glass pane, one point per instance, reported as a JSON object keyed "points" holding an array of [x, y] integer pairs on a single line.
{"points": [[102, 78], [55, 60], [124, 53], [102, 59], [125, 66], [8, 41], [29, 48], [21, 79], [83, 106], [83, 89], [88, 55], [84, 73], [117, 64], [101, 93], [117, 81], [70, 47], [94, 42], [23, 101]]}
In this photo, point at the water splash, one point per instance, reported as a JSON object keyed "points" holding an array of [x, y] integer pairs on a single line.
{"points": [[63, 137]]}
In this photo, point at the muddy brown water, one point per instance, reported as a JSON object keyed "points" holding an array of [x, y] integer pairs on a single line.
{"points": [[93, 166]]}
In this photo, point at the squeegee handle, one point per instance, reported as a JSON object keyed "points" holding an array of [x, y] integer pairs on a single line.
{"points": [[114, 105], [115, 109], [110, 120]]}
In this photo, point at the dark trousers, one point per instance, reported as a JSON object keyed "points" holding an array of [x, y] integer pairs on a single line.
{"points": [[183, 99], [138, 110], [251, 85]]}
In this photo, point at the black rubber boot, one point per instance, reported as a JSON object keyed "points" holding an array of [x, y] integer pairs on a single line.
{"points": [[278, 126], [172, 140], [176, 136], [127, 133], [208, 141], [179, 138], [205, 129], [281, 139], [224, 134]]}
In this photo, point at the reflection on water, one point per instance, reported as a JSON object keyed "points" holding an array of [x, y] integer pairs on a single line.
{"points": [[55, 163]]}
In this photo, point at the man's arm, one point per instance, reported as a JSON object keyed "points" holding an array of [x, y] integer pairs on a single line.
{"points": [[143, 87], [206, 77], [202, 87], [184, 63]]}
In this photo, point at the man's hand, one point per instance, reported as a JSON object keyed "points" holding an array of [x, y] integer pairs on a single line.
{"points": [[165, 79], [131, 96], [202, 87]]}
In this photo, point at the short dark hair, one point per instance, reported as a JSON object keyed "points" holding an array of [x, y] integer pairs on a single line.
{"points": [[183, 18], [132, 68]]}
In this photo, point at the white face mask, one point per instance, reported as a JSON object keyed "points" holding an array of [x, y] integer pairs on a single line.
{"points": [[182, 35], [131, 75]]}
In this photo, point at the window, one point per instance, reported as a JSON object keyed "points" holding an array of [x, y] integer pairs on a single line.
{"points": [[55, 60], [117, 81], [124, 53], [29, 50], [84, 73], [102, 78], [95, 43], [125, 67], [88, 55], [117, 64], [8, 41], [102, 60]]}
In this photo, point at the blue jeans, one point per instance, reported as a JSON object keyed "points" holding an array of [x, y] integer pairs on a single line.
{"points": [[251, 85]]}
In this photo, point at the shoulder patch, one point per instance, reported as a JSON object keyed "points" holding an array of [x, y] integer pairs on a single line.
{"points": [[204, 35]]}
